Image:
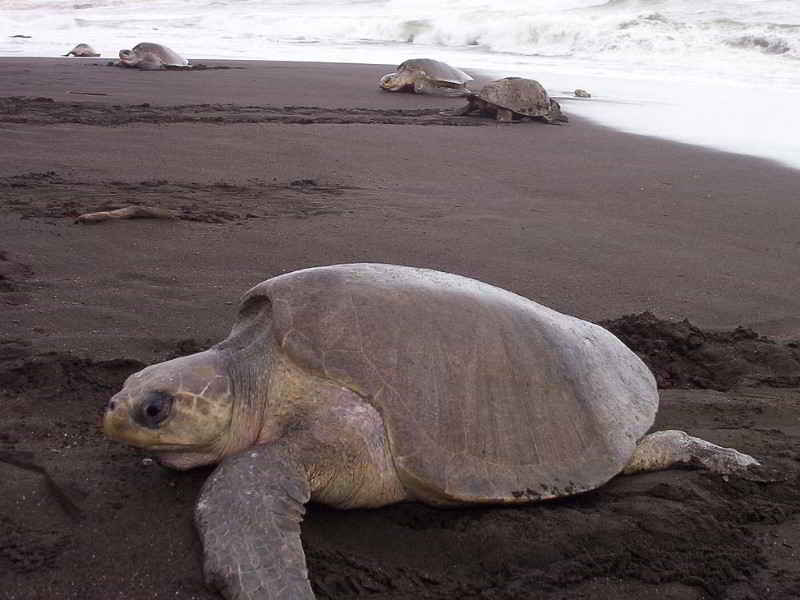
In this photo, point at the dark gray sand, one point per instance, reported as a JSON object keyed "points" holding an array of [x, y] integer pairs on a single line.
{"points": [[271, 167]]}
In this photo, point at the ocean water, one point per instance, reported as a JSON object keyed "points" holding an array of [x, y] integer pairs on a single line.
{"points": [[719, 73]]}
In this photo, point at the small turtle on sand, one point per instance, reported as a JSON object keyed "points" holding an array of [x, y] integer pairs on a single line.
{"points": [[581, 93], [514, 97], [152, 57], [82, 50], [426, 76], [362, 385]]}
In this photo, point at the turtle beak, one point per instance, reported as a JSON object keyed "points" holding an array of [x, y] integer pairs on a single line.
{"points": [[387, 80], [116, 419]]}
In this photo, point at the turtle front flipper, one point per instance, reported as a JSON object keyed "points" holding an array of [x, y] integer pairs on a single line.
{"points": [[471, 106], [426, 86], [249, 516]]}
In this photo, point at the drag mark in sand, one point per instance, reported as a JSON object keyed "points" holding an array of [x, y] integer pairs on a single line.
{"points": [[12, 277], [48, 195], [46, 111]]}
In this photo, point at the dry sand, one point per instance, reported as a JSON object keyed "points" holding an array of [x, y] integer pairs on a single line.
{"points": [[272, 167]]}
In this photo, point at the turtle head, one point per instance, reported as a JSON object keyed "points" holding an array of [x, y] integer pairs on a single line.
{"points": [[180, 409], [128, 58], [394, 82]]}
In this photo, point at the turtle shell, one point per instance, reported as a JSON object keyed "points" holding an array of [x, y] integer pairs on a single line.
{"points": [[486, 396], [435, 70], [524, 96], [167, 56]]}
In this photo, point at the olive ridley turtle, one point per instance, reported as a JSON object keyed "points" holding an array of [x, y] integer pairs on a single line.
{"points": [[362, 385], [83, 50], [514, 97], [152, 57], [426, 76]]}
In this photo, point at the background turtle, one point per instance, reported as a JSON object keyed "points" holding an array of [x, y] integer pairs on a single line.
{"points": [[426, 76], [152, 57], [367, 384], [514, 96], [82, 50]]}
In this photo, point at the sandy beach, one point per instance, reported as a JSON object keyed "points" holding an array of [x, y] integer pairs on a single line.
{"points": [[271, 167]]}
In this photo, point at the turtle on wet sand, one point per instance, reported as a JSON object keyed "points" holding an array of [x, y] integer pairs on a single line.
{"points": [[83, 50], [362, 385], [426, 76], [513, 97], [152, 57]]}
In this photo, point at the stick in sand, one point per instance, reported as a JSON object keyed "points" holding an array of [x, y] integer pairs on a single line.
{"points": [[87, 93], [129, 212]]}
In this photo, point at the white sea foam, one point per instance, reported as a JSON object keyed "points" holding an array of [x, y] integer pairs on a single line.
{"points": [[722, 73]]}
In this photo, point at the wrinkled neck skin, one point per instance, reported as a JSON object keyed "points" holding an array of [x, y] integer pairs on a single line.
{"points": [[249, 372]]}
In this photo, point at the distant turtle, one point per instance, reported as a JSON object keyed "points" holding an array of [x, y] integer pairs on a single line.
{"points": [[367, 384], [426, 76], [514, 97], [152, 57], [581, 93], [82, 50]]}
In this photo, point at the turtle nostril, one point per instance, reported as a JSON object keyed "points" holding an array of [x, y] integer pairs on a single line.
{"points": [[112, 405]]}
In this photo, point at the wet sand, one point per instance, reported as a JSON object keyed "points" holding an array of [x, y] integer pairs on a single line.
{"points": [[271, 167]]}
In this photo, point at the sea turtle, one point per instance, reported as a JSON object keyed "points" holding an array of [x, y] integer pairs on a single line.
{"points": [[514, 96], [426, 76], [82, 50], [362, 385], [152, 57]]}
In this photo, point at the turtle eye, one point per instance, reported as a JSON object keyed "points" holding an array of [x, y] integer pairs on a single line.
{"points": [[154, 409]]}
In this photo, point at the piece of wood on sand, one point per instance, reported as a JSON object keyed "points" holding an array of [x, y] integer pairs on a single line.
{"points": [[129, 212]]}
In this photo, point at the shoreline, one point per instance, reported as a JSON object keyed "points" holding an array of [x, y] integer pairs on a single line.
{"points": [[635, 106]]}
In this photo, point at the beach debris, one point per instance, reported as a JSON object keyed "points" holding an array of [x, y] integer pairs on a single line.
{"points": [[514, 98], [303, 183], [83, 50], [129, 212], [152, 57], [426, 76], [581, 93], [324, 387], [19, 35], [87, 93]]}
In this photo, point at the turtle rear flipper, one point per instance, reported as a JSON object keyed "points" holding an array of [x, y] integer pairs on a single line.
{"points": [[555, 116], [666, 449], [249, 516]]}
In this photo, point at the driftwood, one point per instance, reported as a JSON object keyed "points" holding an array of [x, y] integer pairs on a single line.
{"points": [[129, 212]]}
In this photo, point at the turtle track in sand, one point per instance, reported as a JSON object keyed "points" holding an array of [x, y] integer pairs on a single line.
{"points": [[683, 535], [50, 195], [46, 111], [13, 274]]}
